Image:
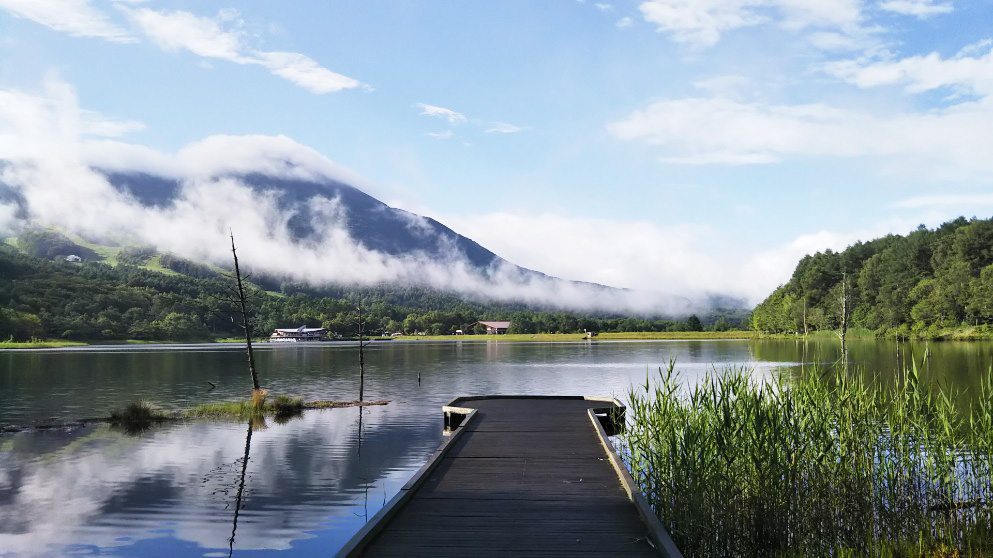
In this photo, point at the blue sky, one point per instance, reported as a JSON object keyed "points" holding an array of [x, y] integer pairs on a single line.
{"points": [[674, 145]]}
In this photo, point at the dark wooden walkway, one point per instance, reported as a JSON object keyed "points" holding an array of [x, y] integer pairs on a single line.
{"points": [[523, 476]]}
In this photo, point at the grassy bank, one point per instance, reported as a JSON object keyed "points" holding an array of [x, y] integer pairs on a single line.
{"points": [[649, 335], [58, 343], [39, 344], [821, 466], [853, 333], [957, 333], [549, 337]]}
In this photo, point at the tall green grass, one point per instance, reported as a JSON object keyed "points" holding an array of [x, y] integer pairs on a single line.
{"points": [[280, 406], [817, 465]]}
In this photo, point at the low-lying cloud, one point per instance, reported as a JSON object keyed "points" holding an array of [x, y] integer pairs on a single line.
{"points": [[56, 173]]}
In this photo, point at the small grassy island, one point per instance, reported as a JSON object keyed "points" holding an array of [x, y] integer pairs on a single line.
{"points": [[138, 416]]}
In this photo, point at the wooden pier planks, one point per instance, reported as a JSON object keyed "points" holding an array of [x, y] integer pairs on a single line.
{"points": [[525, 476]]}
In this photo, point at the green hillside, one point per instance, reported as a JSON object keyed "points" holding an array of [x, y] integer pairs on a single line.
{"points": [[922, 284], [120, 293]]}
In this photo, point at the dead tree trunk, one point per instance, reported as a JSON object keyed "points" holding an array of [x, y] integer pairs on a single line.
{"points": [[361, 356], [804, 315], [246, 322], [844, 320]]}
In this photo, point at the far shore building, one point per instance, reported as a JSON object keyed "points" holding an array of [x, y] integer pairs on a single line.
{"points": [[302, 333], [494, 328]]}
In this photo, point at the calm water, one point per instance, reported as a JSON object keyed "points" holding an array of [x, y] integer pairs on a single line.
{"points": [[312, 482]]}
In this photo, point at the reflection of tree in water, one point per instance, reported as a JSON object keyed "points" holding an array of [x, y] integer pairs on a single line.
{"points": [[253, 423], [365, 479]]}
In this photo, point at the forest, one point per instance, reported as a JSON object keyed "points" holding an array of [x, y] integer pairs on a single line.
{"points": [[43, 296], [914, 285]]}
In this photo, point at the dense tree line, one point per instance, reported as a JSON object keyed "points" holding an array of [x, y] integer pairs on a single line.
{"points": [[895, 285], [56, 299]]}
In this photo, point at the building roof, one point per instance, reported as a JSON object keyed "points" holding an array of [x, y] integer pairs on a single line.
{"points": [[496, 325], [301, 329]]}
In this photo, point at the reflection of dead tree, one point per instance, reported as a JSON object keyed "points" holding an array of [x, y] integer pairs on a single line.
{"points": [[361, 324], [361, 331], [359, 452], [238, 300], [241, 488]]}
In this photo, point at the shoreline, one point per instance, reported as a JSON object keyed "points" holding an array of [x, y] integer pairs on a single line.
{"points": [[967, 334], [125, 344]]}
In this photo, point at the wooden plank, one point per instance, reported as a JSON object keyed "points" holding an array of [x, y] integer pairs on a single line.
{"points": [[535, 508], [527, 444], [528, 476], [513, 541]]}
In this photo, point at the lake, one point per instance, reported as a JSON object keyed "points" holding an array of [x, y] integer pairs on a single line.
{"points": [[311, 482]]}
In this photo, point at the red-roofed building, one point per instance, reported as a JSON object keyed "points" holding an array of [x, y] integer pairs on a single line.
{"points": [[494, 328]]}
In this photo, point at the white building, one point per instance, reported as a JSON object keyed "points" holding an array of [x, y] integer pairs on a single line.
{"points": [[302, 333]]}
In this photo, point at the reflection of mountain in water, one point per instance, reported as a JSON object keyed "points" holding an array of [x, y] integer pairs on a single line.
{"points": [[101, 485]]}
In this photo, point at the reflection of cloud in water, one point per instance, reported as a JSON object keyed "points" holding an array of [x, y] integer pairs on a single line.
{"points": [[110, 490], [172, 491]]}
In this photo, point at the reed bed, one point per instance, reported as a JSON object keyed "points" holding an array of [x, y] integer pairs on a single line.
{"points": [[825, 464]]}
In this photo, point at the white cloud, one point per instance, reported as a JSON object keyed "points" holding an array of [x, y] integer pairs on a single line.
{"points": [[624, 22], [723, 85], [75, 17], [702, 22], [454, 118], [306, 73], [630, 254], [217, 38], [185, 31], [970, 74], [221, 38], [918, 8], [648, 256], [604, 7], [457, 118], [965, 201], [833, 41], [699, 21], [978, 47], [51, 167], [51, 121], [503, 128], [715, 130]]}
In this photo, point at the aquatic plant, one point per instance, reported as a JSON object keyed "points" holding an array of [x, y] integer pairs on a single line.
{"points": [[280, 406], [824, 464], [137, 417], [137, 412]]}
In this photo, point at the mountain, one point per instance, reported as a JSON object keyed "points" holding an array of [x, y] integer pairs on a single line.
{"points": [[372, 223], [309, 232]]}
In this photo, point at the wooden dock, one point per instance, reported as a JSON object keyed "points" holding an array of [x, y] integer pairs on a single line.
{"points": [[521, 476]]}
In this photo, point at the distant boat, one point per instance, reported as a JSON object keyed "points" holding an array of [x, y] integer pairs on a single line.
{"points": [[302, 333]]}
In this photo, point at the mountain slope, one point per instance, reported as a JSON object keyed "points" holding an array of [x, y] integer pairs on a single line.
{"points": [[372, 223], [904, 285]]}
